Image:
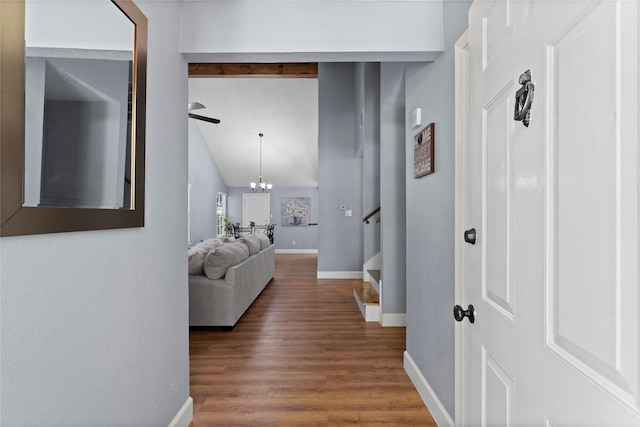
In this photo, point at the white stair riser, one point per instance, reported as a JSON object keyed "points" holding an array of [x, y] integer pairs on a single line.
{"points": [[371, 313]]}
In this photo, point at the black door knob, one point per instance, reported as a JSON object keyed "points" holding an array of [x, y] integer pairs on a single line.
{"points": [[460, 313], [470, 236]]}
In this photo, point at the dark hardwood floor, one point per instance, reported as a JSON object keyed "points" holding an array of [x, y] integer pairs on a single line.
{"points": [[303, 356]]}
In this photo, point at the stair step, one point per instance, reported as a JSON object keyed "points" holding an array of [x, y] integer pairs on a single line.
{"points": [[374, 279], [366, 293], [375, 274], [367, 299]]}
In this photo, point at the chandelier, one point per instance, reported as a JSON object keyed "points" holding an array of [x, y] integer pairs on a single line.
{"points": [[260, 185]]}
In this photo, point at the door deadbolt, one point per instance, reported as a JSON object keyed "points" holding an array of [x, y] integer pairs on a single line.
{"points": [[470, 236]]}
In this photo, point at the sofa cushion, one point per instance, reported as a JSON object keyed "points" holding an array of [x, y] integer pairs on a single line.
{"points": [[209, 244], [252, 243], [197, 254], [219, 259], [196, 260], [264, 241]]}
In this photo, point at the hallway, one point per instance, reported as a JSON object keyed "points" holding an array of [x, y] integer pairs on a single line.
{"points": [[302, 356]]}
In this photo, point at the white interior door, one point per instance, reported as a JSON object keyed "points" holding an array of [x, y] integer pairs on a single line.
{"points": [[553, 274], [256, 208]]}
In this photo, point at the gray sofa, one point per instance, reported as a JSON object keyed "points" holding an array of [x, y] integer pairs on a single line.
{"points": [[222, 293]]}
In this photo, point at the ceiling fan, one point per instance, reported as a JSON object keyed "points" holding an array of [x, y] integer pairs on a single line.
{"points": [[198, 106]]}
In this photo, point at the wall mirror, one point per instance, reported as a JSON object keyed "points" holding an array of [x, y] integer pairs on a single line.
{"points": [[72, 131]]}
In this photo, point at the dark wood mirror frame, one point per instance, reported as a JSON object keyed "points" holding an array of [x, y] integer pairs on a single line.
{"points": [[17, 219]]}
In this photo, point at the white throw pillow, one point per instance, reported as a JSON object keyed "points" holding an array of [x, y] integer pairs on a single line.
{"points": [[196, 261], [219, 259], [198, 253], [209, 244], [264, 241], [252, 243]]}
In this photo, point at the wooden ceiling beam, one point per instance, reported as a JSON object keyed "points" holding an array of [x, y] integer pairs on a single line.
{"points": [[308, 70]]}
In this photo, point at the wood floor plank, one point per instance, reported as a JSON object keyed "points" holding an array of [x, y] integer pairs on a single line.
{"points": [[302, 356]]}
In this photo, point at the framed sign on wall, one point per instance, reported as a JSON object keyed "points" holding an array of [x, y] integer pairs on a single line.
{"points": [[423, 152]]}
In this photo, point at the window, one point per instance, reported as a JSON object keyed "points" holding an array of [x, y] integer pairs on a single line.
{"points": [[221, 212]]}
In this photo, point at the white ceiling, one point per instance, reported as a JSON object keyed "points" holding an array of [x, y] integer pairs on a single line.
{"points": [[285, 110]]}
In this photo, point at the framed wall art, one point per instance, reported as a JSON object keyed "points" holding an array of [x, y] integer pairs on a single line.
{"points": [[423, 152], [295, 211]]}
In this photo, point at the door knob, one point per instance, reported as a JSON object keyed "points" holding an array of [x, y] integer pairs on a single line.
{"points": [[470, 236], [459, 313]]}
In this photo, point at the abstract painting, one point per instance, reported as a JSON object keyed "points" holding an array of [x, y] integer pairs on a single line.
{"points": [[295, 211]]}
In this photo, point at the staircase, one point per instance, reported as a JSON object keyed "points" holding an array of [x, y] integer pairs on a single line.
{"points": [[367, 295]]}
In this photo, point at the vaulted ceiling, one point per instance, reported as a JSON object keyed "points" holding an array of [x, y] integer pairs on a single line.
{"points": [[284, 109]]}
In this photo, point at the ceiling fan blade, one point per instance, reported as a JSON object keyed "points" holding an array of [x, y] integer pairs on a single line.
{"points": [[204, 118]]}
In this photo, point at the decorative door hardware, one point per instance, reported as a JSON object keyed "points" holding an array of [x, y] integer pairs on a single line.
{"points": [[524, 99]]}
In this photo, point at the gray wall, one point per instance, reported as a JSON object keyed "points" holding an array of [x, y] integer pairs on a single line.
{"points": [[320, 30], [359, 112], [392, 188], [94, 325], [305, 238], [430, 217], [339, 172], [206, 181], [368, 77]]}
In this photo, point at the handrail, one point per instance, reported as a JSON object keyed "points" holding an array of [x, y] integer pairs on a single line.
{"points": [[366, 218]]}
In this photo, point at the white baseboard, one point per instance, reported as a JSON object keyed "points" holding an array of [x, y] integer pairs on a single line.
{"points": [[393, 319], [296, 251], [436, 408], [339, 275], [184, 415]]}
